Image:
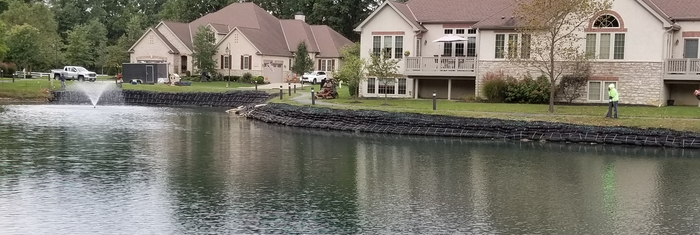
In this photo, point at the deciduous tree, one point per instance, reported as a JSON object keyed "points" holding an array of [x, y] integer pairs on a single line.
{"points": [[23, 46], [3, 46], [352, 71], [551, 32], [302, 61], [78, 51], [384, 68]]}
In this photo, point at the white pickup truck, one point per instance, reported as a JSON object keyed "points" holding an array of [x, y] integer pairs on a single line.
{"points": [[74, 73]]}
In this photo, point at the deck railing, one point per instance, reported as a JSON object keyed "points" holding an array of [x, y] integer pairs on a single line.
{"points": [[440, 64], [683, 66]]}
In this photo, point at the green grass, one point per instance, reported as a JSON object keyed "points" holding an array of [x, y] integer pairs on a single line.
{"points": [[684, 118]]}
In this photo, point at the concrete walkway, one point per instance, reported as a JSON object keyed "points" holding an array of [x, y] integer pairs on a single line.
{"points": [[305, 98]]}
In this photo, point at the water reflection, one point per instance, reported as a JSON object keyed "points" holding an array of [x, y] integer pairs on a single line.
{"points": [[136, 170]]}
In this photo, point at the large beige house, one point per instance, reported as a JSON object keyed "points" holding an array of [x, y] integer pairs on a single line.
{"points": [[648, 48], [248, 38]]}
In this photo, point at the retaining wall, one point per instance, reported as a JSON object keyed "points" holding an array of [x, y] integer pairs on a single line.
{"points": [[438, 125], [189, 99]]}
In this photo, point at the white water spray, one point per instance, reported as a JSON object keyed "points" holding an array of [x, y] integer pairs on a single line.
{"points": [[94, 90]]}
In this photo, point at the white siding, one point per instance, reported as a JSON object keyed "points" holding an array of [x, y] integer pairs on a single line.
{"points": [[387, 20], [686, 26], [238, 49]]}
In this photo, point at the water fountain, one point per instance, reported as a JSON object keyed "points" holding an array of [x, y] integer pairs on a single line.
{"points": [[94, 90]]}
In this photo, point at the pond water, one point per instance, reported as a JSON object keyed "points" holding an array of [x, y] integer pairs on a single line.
{"points": [[147, 170]]}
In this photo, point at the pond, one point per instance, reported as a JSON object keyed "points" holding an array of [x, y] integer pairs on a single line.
{"points": [[150, 170]]}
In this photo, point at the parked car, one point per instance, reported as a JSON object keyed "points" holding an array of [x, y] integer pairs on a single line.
{"points": [[74, 73], [313, 77]]}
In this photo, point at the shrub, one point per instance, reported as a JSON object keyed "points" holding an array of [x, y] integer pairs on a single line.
{"points": [[570, 85], [8, 69], [188, 73], [527, 90], [247, 77], [259, 80], [352, 90], [494, 86]]}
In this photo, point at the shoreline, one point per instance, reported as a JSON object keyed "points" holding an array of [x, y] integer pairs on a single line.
{"points": [[400, 123]]}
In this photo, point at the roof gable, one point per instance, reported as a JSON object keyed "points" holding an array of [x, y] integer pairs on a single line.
{"points": [[455, 11], [296, 31], [162, 38], [401, 9], [329, 41], [181, 31]]}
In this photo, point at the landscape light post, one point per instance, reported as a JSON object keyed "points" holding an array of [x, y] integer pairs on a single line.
{"points": [[228, 64], [256, 84], [434, 102], [313, 97], [281, 92]]}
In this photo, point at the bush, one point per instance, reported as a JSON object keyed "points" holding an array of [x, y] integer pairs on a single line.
{"points": [[259, 79], [494, 86], [188, 73], [247, 77], [8, 69], [527, 90], [570, 85], [352, 89]]}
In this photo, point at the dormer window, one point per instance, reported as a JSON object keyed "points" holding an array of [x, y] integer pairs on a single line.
{"points": [[606, 21]]}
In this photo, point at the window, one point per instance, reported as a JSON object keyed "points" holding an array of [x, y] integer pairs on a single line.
{"points": [[227, 62], [398, 47], [245, 62], [598, 90], [327, 65], [525, 46], [471, 31], [370, 85], [150, 39], [459, 31], [459, 49], [690, 48], [454, 48], [500, 45], [418, 47], [391, 47], [387, 86], [598, 45], [447, 49], [387, 46], [235, 38], [402, 86], [471, 46], [606, 21], [377, 45], [448, 31], [619, 52], [512, 45]]}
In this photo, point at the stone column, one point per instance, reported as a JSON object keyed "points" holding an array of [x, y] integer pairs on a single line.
{"points": [[415, 88], [449, 89]]}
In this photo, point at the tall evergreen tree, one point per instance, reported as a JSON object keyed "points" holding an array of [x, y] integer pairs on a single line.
{"points": [[302, 61]]}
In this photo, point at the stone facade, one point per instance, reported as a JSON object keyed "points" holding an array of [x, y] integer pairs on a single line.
{"points": [[639, 83]]}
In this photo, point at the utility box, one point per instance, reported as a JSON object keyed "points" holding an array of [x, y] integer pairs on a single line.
{"points": [[147, 73]]}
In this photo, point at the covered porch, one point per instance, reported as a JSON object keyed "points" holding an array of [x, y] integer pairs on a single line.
{"points": [[680, 92], [445, 88]]}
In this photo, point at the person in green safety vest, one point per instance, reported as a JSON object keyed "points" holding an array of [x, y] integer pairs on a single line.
{"points": [[614, 98]]}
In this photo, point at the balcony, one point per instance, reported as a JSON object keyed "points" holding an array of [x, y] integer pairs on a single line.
{"points": [[440, 66], [682, 69]]}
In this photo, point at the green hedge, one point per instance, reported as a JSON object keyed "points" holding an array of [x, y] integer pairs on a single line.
{"points": [[498, 87]]}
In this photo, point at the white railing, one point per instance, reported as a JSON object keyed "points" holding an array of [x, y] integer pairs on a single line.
{"points": [[440, 64], [683, 66]]}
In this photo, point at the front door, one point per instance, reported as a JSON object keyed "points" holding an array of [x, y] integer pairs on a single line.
{"points": [[150, 76], [690, 49]]}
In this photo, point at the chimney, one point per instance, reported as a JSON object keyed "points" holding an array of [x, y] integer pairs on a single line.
{"points": [[300, 16]]}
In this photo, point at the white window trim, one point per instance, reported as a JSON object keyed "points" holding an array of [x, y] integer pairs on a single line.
{"points": [[611, 55], [226, 62], [246, 62], [393, 45], [506, 45], [378, 82], [603, 90], [327, 65]]}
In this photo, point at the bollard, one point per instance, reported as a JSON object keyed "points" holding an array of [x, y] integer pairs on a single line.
{"points": [[289, 88], [295, 88], [281, 92], [256, 85], [434, 101], [313, 97]]}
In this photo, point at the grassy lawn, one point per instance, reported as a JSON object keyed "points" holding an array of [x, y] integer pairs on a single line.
{"points": [[35, 88], [683, 118]]}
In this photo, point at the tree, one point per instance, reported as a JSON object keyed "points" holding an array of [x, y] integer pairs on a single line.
{"points": [[571, 84], [23, 46], [551, 36], [97, 39], [302, 61], [188, 10], [352, 70], [384, 69], [203, 50], [3, 46], [78, 50]]}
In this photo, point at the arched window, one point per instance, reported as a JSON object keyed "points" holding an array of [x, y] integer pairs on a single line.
{"points": [[606, 21]]}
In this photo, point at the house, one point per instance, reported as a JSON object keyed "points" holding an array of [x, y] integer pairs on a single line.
{"points": [[248, 39], [648, 48]]}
